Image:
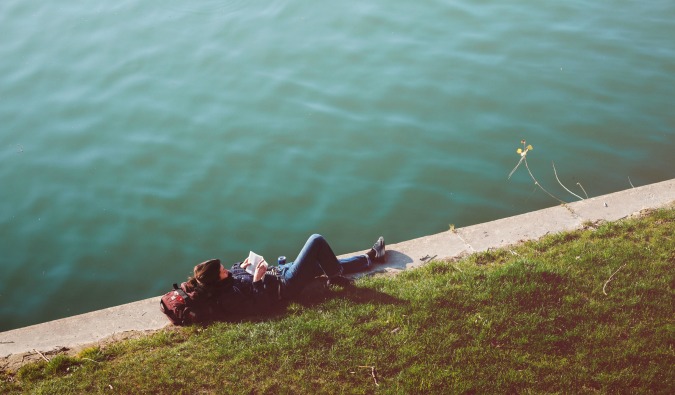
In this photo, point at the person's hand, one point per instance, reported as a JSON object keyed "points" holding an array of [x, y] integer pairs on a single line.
{"points": [[260, 271], [244, 264]]}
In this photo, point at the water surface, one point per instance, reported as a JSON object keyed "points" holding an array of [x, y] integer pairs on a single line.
{"points": [[138, 139]]}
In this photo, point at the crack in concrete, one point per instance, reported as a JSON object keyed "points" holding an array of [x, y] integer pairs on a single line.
{"points": [[464, 241]]}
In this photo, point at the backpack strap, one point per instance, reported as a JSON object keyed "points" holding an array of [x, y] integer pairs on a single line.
{"points": [[180, 292]]}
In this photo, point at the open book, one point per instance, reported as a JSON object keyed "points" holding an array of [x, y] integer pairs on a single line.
{"points": [[254, 259]]}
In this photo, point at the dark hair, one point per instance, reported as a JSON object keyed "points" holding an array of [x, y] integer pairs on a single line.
{"points": [[206, 275]]}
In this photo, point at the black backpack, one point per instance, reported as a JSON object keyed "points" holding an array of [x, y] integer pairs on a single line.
{"points": [[177, 305]]}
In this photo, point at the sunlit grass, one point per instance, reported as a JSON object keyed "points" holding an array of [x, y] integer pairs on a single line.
{"points": [[526, 319]]}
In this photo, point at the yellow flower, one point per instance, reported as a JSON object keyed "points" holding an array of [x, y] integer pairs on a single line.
{"points": [[529, 148], [520, 151]]}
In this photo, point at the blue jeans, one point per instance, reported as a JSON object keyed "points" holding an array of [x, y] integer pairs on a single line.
{"points": [[315, 259]]}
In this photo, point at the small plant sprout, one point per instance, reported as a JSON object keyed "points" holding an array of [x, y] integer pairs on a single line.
{"points": [[523, 153], [523, 159]]}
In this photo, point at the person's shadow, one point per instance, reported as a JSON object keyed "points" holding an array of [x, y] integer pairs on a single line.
{"points": [[314, 294], [318, 292]]}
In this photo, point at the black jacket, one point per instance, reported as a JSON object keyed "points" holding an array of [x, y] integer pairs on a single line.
{"points": [[237, 296]]}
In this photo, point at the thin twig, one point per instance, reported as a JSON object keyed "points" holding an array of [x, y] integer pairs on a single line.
{"points": [[610, 278], [89, 359], [561, 184], [522, 158], [539, 185], [582, 188], [372, 373], [631, 184], [42, 355], [458, 269]]}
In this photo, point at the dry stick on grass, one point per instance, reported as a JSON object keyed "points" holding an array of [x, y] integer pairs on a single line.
{"points": [[89, 359], [42, 355], [561, 184], [372, 373], [610, 278]]}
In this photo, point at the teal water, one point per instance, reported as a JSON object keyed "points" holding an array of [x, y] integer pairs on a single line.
{"points": [[140, 138]]}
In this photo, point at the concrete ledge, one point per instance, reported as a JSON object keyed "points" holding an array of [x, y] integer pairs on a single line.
{"points": [[81, 330], [527, 226], [144, 315]]}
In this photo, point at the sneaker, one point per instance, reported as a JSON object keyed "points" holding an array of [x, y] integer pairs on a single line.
{"points": [[340, 281], [378, 250]]}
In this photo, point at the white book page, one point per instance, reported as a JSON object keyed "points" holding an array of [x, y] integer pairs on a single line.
{"points": [[254, 259]]}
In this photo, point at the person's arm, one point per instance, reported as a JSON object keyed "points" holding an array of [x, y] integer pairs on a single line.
{"points": [[260, 270], [260, 294]]}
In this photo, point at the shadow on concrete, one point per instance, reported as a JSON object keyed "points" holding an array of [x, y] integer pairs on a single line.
{"points": [[396, 260]]}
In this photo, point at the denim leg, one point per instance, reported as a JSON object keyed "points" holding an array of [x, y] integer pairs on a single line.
{"points": [[317, 258], [357, 263]]}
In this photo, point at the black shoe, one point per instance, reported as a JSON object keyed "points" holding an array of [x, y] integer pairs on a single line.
{"points": [[377, 252], [340, 281]]}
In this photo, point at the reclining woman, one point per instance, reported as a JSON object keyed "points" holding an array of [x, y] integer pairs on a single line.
{"points": [[218, 293]]}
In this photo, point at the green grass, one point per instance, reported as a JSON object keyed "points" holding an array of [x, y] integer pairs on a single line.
{"points": [[531, 318]]}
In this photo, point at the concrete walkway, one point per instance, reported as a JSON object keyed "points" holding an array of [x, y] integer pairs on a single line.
{"points": [[118, 322]]}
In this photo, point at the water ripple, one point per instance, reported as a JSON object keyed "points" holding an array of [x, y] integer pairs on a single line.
{"points": [[138, 138]]}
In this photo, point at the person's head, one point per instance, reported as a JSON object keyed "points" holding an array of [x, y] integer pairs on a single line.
{"points": [[209, 272]]}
